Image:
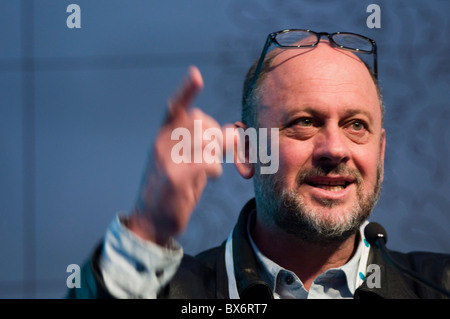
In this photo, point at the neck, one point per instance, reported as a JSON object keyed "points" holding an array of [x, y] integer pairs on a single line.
{"points": [[306, 260]]}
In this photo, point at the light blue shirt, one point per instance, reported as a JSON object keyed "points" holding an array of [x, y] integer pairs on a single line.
{"points": [[335, 283]]}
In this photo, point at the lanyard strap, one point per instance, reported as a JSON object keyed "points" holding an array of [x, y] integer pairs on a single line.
{"points": [[229, 265], [362, 268]]}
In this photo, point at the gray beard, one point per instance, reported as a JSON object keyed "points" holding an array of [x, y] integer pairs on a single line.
{"points": [[288, 212]]}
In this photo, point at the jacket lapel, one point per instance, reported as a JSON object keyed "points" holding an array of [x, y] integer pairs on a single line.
{"points": [[248, 282], [393, 284]]}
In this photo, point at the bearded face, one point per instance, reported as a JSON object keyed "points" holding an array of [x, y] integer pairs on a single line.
{"points": [[287, 209]]}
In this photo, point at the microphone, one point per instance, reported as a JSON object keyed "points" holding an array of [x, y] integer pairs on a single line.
{"points": [[376, 235]]}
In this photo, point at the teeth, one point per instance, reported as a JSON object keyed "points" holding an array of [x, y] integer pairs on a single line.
{"points": [[333, 183], [331, 188]]}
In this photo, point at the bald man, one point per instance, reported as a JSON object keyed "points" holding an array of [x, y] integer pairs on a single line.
{"points": [[301, 236]]}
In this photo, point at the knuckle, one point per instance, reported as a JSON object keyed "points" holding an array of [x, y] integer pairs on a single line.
{"points": [[196, 113]]}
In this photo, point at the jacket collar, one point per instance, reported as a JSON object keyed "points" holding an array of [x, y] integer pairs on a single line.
{"points": [[248, 282], [393, 284]]}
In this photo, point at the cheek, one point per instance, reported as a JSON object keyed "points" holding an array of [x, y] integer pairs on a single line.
{"points": [[293, 156], [367, 162]]}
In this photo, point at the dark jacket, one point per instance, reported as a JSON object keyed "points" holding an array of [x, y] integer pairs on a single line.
{"points": [[204, 276]]}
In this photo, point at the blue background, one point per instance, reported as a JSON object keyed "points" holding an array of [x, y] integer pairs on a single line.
{"points": [[80, 107]]}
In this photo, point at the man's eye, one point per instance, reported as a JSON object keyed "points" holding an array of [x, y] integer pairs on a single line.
{"points": [[358, 125], [306, 122]]}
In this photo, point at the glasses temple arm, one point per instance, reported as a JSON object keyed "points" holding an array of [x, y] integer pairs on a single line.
{"points": [[260, 64], [375, 62]]}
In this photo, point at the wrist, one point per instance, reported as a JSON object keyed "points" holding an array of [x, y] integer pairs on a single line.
{"points": [[144, 228]]}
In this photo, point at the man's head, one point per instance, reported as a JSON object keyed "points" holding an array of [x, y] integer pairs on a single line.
{"points": [[327, 108]]}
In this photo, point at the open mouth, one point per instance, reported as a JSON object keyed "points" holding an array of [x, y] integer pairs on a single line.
{"points": [[332, 184]]}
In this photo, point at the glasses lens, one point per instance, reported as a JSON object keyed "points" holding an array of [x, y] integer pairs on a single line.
{"points": [[296, 38], [353, 42]]}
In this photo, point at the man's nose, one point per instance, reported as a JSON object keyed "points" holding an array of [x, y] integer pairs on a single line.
{"points": [[330, 147]]}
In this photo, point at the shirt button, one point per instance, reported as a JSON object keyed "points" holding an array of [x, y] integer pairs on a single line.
{"points": [[289, 280]]}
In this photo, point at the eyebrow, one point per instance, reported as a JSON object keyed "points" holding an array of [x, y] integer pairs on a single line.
{"points": [[353, 112], [315, 112]]}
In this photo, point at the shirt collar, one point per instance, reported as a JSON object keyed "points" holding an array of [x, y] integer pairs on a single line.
{"points": [[269, 270]]}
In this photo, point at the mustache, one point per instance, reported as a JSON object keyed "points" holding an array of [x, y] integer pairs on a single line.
{"points": [[323, 171]]}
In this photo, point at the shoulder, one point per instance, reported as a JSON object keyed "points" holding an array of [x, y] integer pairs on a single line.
{"points": [[212, 256], [433, 266], [201, 276]]}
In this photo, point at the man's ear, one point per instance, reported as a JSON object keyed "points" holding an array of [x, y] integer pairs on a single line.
{"points": [[382, 151], [241, 160]]}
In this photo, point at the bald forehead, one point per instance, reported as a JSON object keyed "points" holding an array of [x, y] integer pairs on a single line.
{"points": [[320, 69], [321, 61]]}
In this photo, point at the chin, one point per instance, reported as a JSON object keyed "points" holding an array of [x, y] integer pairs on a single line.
{"points": [[318, 223]]}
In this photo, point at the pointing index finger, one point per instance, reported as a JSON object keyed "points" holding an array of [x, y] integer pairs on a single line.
{"points": [[183, 98]]}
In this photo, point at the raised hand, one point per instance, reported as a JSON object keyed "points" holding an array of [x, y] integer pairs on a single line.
{"points": [[170, 191]]}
